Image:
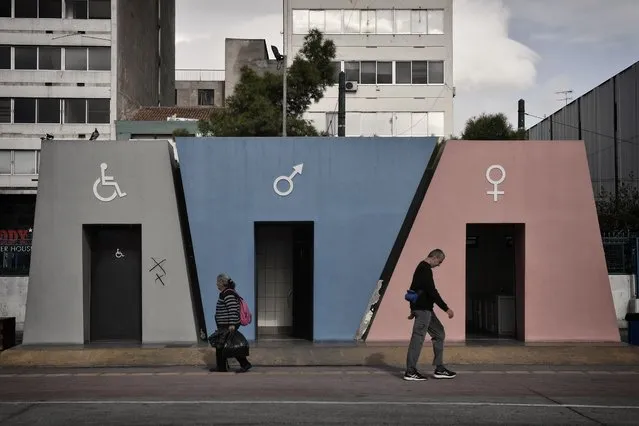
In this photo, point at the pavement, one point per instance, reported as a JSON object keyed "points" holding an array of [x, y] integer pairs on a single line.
{"points": [[481, 394]]}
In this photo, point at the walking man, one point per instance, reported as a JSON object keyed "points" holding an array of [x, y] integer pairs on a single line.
{"points": [[425, 319]]}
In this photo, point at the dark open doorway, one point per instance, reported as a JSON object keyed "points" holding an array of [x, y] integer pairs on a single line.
{"points": [[495, 281], [113, 269], [284, 280]]}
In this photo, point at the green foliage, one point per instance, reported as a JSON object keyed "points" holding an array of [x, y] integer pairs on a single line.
{"points": [[180, 132], [491, 127], [619, 213], [255, 108]]}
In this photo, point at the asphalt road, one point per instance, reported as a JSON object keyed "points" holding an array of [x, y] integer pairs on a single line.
{"points": [[338, 396]]}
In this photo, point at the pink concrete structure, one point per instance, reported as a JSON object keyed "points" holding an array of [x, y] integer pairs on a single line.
{"points": [[566, 293]]}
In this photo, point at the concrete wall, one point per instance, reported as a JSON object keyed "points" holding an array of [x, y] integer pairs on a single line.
{"points": [[566, 291], [13, 298], [356, 191], [187, 92], [623, 289], [58, 295], [143, 65], [244, 52]]}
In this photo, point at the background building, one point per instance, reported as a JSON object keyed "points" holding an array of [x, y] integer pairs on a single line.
{"points": [[69, 68], [607, 119], [398, 60]]}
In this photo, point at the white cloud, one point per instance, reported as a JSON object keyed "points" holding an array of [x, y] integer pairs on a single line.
{"points": [[485, 57]]}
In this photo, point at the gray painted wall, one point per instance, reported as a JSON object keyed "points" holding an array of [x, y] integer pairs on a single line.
{"points": [[58, 296], [246, 52], [187, 92]]}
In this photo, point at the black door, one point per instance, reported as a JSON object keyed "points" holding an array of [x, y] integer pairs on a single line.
{"points": [[303, 281], [116, 283]]}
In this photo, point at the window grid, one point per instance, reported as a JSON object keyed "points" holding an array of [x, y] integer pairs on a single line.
{"points": [[91, 63], [101, 107], [389, 124], [354, 72], [370, 21], [8, 162], [56, 9]]}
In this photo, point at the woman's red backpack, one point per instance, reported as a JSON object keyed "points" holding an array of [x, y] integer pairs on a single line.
{"points": [[245, 313]]}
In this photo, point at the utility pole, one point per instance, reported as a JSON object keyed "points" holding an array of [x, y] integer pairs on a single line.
{"points": [[285, 53], [566, 96], [341, 109], [521, 115]]}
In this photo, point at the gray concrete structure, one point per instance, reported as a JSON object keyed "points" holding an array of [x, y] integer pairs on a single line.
{"points": [[58, 308], [246, 52], [190, 93], [606, 118]]}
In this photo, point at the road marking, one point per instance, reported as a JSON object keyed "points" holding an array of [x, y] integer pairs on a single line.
{"points": [[311, 402]]}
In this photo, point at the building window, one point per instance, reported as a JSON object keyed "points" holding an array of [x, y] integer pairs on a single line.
{"points": [[75, 111], [402, 21], [26, 9], [368, 21], [420, 72], [49, 58], [76, 9], [384, 73], [435, 22], [75, 58], [5, 110], [403, 73], [5, 162], [26, 57], [48, 110], [51, 9], [24, 162], [205, 96], [100, 58], [5, 57], [351, 69], [331, 123], [351, 21], [99, 9], [404, 124], [334, 22], [5, 8], [24, 110], [384, 21], [99, 110], [300, 21], [368, 72], [317, 20]]}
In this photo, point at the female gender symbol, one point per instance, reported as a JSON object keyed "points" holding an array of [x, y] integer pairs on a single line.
{"points": [[495, 183]]}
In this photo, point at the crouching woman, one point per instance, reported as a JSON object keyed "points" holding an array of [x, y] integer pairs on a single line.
{"points": [[227, 317]]}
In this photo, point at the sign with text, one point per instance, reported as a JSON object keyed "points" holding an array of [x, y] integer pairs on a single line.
{"points": [[15, 240]]}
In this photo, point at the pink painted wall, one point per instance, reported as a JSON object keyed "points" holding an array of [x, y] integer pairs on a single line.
{"points": [[547, 187]]}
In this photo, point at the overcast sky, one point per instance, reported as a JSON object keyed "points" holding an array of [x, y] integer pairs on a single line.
{"points": [[503, 50]]}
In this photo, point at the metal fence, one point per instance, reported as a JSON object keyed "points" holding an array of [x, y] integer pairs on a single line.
{"points": [[621, 253]]}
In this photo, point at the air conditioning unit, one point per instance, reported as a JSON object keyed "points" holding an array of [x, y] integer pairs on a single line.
{"points": [[351, 86]]}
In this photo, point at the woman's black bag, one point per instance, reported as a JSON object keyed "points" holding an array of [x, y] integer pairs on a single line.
{"points": [[231, 343]]}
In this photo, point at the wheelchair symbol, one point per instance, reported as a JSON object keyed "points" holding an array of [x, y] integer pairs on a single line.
{"points": [[118, 254], [105, 180]]}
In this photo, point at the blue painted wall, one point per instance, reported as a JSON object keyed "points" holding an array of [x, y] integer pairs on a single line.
{"points": [[356, 190]]}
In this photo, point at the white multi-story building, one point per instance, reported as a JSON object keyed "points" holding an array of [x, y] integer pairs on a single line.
{"points": [[398, 61], [69, 67]]}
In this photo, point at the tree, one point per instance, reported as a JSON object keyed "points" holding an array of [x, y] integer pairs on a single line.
{"points": [[180, 132], [621, 212], [491, 127], [255, 108]]}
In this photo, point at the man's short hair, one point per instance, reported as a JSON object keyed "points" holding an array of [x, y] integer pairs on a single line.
{"points": [[437, 254]]}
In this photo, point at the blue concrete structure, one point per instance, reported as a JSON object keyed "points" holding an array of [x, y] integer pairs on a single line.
{"points": [[357, 191]]}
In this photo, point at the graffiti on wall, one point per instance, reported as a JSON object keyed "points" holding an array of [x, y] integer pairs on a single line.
{"points": [[158, 270]]}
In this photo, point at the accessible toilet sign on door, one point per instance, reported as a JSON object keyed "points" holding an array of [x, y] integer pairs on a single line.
{"points": [[495, 175]]}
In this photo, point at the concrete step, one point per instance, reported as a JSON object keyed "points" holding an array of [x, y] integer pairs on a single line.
{"points": [[321, 355]]}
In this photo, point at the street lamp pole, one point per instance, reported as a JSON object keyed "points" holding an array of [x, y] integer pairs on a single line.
{"points": [[285, 53]]}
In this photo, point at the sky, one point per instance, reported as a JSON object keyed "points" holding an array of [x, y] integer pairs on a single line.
{"points": [[503, 50]]}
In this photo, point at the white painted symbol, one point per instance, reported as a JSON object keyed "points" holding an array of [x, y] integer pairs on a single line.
{"points": [[495, 183], [105, 180], [118, 254], [297, 170]]}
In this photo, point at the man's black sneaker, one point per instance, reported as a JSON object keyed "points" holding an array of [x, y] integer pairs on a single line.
{"points": [[415, 377], [244, 369], [444, 373]]}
